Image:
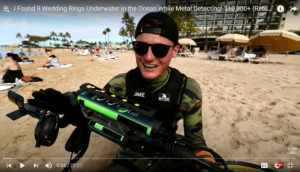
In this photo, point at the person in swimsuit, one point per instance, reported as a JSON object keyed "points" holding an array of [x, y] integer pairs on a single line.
{"points": [[11, 68]]}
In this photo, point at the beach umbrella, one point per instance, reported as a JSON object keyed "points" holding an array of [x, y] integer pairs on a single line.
{"points": [[233, 39], [277, 40], [186, 41]]}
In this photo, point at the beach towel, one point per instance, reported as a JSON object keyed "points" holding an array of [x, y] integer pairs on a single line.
{"points": [[109, 58], [29, 62], [61, 66], [12, 86]]}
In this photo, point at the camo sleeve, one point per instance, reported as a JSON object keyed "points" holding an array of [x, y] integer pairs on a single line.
{"points": [[191, 111], [117, 85]]}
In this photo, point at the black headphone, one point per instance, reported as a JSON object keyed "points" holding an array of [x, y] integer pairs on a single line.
{"points": [[46, 130]]}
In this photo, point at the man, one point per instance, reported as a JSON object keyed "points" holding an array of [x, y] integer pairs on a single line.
{"points": [[155, 84], [159, 86]]}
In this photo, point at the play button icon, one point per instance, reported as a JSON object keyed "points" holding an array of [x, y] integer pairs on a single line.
{"points": [[22, 165]]}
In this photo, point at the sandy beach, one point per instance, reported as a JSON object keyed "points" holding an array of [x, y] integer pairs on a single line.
{"points": [[251, 112]]}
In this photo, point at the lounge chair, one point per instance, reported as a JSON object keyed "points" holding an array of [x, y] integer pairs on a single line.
{"points": [[214, 55], [246, 56], [194, 53], [184, 54], [263, 59]]}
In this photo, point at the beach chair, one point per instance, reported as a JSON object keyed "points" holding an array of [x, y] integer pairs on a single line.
{"points": [[185, 54], [246, 57], [263, 59], [214, 55], [194, 53], [229, 57]]}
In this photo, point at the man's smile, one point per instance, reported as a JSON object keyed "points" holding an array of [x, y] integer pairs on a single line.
{"points": [[149, 65]]}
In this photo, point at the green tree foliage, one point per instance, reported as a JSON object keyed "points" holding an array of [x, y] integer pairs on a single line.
{"points": [[129, 25], [104, 33], [271, 13], [123, 33], [287, 4], [19, 36], [35, 40], [185, 21], [53, 37]]}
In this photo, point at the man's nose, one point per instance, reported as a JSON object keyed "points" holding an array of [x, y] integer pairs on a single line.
{"points": [[149, 54]]}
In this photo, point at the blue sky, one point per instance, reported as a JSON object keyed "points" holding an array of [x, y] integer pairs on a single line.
{"points": [[81, 25]]}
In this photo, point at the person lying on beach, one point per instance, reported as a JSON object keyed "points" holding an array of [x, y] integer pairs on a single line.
{"points": [[24, 58], [239, 52], [259, 51], [223, 50], [227, 51], [52, 60], [11, 68]]}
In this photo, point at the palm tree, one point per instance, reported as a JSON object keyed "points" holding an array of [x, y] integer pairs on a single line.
{"points": [[104, 33], [189, 24], [19, 36], [207, 4], [129, 24], [123, 33], [53, 36], [68, 35], [287, 4], [61, 35], [107, 30]]}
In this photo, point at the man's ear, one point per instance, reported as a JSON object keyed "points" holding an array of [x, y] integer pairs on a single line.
{"points": [[175, 50]]}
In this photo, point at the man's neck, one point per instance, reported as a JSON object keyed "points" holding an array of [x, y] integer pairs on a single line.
{"points": [[158, 82]]}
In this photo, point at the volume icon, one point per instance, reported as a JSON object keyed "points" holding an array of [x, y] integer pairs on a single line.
{"points": [[48, 165]]}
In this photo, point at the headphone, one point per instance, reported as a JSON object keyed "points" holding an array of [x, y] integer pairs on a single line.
{"points": [[46, 130]]}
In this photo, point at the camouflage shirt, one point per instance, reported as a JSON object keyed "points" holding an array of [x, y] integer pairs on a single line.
{"points": [[189, 110]]}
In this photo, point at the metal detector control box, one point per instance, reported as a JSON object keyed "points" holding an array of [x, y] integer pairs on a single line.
{"points": [[114, 117]]}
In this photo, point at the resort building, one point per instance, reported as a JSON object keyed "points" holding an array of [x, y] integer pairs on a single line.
{"points": [[233, 16]]}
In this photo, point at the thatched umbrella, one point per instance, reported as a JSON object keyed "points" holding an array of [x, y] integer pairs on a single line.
{"points": [[186, 41], [233, 39], [277, 40]]}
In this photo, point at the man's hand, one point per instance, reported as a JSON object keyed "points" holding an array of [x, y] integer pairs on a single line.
{"points": [[50, 99], [59, 103]]}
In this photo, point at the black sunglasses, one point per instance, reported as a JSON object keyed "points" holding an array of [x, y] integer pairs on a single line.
{"points": [[159, 50]]}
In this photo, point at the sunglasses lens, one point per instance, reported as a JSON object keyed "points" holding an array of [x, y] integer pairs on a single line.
{"points": [[140, 47], [160, 50]]}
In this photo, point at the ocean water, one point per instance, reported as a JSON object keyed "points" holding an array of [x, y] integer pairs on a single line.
{"points": [[3, 53]]}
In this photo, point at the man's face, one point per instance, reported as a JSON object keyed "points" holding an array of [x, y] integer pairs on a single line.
{"points": [[150, 66]]}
